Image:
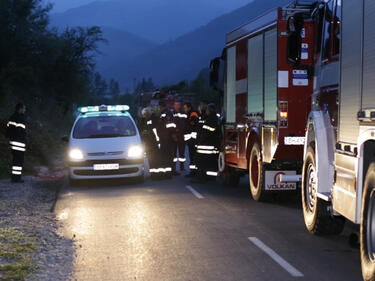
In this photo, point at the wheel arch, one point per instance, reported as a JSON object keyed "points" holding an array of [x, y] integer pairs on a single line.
{"points": [[320, 135], [252, 137]]}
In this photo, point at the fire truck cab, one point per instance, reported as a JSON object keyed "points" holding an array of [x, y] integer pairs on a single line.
{"points": [[267, 87], [338, 180]]}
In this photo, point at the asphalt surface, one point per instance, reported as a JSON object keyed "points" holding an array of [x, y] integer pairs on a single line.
{"points": [[164, 230]]}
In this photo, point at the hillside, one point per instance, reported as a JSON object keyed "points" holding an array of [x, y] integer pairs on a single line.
{"points": [[158, 21], [183, 58], [121, 48]]}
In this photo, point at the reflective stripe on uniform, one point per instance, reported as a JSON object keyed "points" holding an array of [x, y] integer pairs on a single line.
{"points": [[170, 125], [163, 115], [149, 122], [209, 128], [207, 151], [180, 115], [209, 173], [16, 168], [16, 143], [16, 173], [193, 167], [208, 147], [156, 134], [182, 159], [187, 137], [161, 170], [194, 135], [16, 124], [18, 148], [175, 160]]}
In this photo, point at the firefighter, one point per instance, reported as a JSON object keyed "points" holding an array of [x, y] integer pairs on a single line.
{"points": [[179, 118], [166, 131], [208, 146], [16, 132], [190, 136], [151, 140]]}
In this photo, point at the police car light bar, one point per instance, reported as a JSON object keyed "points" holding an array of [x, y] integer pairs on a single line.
{"points": [[87, 109]]}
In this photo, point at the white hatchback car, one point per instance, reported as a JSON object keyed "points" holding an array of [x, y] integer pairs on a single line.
{"points": [[105, 143]]}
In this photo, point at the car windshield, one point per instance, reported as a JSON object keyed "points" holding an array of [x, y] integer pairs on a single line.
{"points": [[104, 127]]}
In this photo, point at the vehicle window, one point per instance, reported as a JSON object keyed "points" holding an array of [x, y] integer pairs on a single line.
{"points": [[104, 127], [328, 20]]}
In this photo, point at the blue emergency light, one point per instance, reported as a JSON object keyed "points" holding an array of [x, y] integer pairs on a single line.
{"points": [[87, 109]]}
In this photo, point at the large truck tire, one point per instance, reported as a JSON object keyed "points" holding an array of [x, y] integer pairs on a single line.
{"points": [[367, 228], [256, 174], [316, 214], [228, 175]]}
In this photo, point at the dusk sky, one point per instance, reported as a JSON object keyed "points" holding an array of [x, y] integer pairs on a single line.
{"points": [[62, 5]]}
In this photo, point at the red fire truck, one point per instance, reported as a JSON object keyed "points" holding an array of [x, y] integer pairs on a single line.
{"points": [[266, 98]]}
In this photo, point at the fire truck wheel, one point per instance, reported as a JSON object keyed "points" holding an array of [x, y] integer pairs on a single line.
{"points": [[318, 219], [256, 174], [367, 232], [229, 177]]}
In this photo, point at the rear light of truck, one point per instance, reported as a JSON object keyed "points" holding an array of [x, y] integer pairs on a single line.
{"points": [[283, 111]]}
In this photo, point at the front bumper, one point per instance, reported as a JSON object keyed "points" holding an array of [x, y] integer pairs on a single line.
{"points": [[85, 170]]}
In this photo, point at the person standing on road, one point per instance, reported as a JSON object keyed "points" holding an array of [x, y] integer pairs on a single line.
{"points": [[151, 141], [190, 136], [166, 131], [208, 146], [179, 118], [16, 132]]}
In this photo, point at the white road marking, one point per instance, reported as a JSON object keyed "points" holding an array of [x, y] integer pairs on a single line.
{"points": [[196, 193], [283, 263]]}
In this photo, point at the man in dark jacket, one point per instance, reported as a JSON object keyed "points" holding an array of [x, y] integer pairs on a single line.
{"points": [[190, 135], [151, 141], [179, 118], [166, 131], [16, 132], [208, 145]]}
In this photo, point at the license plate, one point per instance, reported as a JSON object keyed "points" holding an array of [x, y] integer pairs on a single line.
{"points": [[101, 167], [272, 181]]}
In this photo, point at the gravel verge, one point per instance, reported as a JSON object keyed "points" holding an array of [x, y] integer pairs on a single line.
{"points": [[31, 247]]}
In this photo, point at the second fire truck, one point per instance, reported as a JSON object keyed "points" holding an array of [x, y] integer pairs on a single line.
{"points": [[266, 97]]}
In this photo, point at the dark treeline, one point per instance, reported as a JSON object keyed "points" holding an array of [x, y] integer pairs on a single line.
{"points": [[50, 71]]}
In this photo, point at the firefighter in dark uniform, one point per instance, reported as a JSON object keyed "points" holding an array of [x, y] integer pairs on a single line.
{"points": [[179, 118], [190, 136], [208, 146], [151, 140], [166, 131], [16, 132]]}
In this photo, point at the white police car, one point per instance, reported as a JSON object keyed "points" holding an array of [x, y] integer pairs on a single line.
{"points": [[105, 143]]}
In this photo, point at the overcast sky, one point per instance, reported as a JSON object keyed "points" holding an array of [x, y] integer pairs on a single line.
{"points": [[63, 5]]}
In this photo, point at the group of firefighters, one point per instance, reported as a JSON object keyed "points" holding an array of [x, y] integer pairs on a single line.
{"points": [[166, 133]]}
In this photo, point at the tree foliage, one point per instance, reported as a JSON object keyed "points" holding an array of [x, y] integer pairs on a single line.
{"points": [[49, 71]]}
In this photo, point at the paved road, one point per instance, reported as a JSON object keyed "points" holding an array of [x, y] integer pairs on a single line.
{"points": [[163, 231]]}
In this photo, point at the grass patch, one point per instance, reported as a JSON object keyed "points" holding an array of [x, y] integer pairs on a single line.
{"points": [[15, 245]]}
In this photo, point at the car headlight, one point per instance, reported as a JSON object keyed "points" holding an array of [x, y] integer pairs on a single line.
{"points": [[135, 152], [75, 154]]}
